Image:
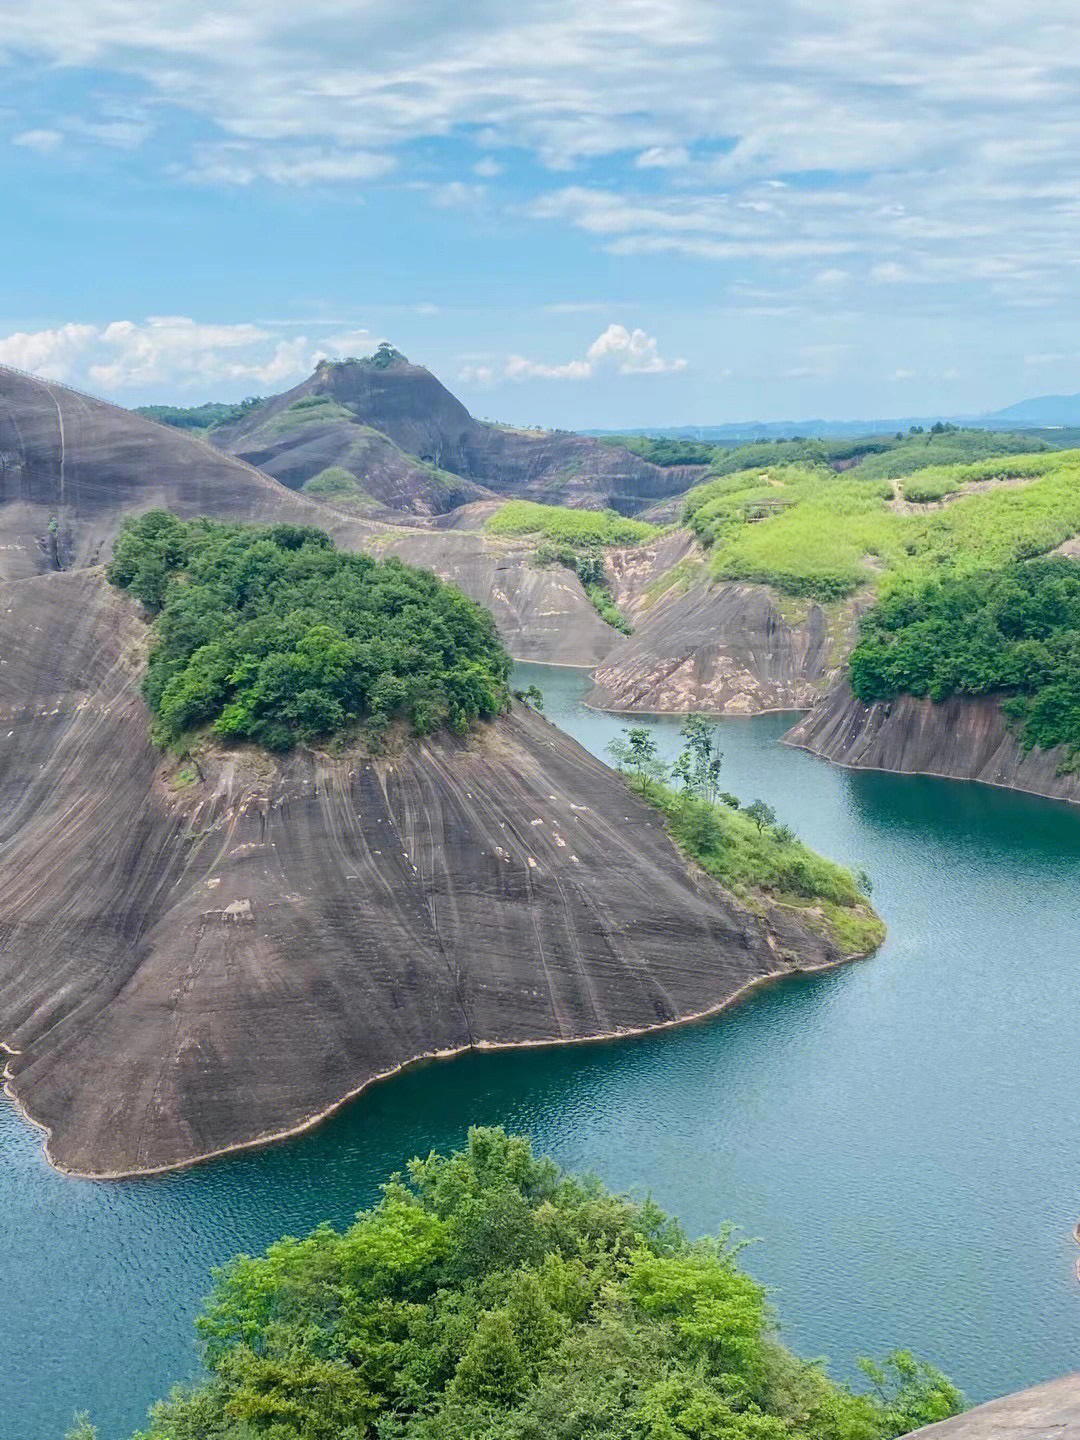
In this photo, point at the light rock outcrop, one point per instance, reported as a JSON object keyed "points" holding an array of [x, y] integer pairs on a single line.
{"points": [[1045, 1412], [720, 648]]}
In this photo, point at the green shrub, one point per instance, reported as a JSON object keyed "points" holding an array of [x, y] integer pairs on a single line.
{"points": [[488, 1296], [271, 634], [1014, 631]]}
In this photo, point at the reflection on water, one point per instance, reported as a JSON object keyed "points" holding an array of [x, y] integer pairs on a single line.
{"points": [[903, 1134]]}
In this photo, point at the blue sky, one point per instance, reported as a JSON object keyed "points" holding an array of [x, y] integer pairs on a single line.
{"points": [[643, 212]]}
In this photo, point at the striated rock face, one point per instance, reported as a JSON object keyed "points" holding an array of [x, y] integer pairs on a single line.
{"points": [[383, 420], [1046, 1412], [962, 739], [719, 648], [543, 615], [191, 962], [72, 467]]}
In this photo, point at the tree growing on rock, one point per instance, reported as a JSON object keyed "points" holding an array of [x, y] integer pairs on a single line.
{"points": [[635, 750]]}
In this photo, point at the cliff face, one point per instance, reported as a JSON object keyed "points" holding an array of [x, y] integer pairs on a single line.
{"points": [[379, 422], [190, 962], [71, 468], [719, 648], [543, 614], [962, 739]]}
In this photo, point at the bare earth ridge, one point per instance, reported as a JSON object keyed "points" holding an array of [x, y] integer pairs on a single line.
{"points": [[186, 969]]}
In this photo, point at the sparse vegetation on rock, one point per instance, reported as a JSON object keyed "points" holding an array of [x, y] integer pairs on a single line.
{"points": [[745, 849]]}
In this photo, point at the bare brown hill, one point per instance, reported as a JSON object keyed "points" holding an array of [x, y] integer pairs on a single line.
{"points": [[412, 446], [196, 960], [71, 467]]}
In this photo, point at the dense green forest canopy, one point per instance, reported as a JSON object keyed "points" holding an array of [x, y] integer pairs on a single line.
{"points": [[200, 417], [270, 634], [1015, 630], [488, 1296]]}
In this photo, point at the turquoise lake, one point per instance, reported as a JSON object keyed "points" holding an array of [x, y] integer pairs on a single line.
{"points": [[903, 1134]]}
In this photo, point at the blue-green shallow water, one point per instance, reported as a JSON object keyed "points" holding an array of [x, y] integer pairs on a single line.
{"points": [[904, 1134]]}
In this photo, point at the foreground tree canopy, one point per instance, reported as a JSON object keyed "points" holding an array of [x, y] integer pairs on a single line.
{"points": [[1015, 630], [270, 634], [490, 1297]]}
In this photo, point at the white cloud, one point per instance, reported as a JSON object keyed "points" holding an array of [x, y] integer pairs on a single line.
{"points": [[663, 157], [236, 163], [173, 353], [50, 353], [933, 144], [635, 352], [476, 375], [632, 352], [43, 141]]}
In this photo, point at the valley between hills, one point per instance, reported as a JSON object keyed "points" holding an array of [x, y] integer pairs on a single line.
{"points": [[356, 908]]}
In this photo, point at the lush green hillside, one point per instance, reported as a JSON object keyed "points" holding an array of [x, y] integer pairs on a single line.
{"points": [[876, 456], [815, 533], [562, 524], [271, 634], [199, 417], [1015, 630], [488, 1296]]}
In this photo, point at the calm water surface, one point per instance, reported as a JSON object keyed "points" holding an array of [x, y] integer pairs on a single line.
{"points": [[903, 1134]]}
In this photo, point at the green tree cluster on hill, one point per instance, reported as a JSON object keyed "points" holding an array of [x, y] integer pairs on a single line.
{"points": [[488, 1296], [1015, 630], [745, 849], [200, 417], [270, 634]]}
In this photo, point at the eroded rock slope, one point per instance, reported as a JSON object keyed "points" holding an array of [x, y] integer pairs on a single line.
{"points": [[964, 738], [72, 467], [415, 447], [196, 961]]}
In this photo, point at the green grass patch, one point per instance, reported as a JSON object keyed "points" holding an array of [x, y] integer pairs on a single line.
{"points": [[815, 533], [576, 527], [308, 410], [337, 483]]}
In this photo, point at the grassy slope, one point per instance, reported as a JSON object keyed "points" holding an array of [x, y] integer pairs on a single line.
{"points": [[577, 527], [757, 863], [815, 533]]}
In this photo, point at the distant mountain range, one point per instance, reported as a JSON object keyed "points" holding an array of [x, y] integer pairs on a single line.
{"points": [[1044, 412]]}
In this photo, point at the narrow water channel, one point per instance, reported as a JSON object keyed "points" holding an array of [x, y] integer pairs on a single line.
{"points": [[903, 1134]]}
